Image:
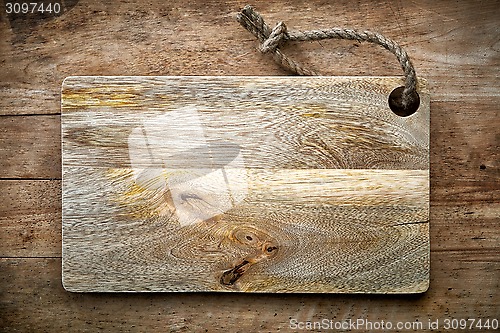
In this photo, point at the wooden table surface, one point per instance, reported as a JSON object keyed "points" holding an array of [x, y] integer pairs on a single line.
{"points": [[455, 45]]}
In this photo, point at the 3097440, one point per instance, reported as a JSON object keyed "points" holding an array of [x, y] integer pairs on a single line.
{"points": [[32, 7]]}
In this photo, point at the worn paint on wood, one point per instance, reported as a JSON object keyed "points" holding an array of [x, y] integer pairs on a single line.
{"points": [[243, 184]]}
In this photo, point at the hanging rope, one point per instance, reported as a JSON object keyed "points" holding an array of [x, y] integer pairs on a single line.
{"points": [[403, 100]]}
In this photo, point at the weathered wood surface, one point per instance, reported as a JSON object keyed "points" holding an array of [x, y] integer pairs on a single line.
{"points": [[453, 44], [54, 309], [30, 147], [281, 123], [30, 218], [243, 184]]}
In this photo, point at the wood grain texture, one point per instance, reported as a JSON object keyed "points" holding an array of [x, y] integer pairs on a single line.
{"points": [[453, 44], [324, 188], [30, 147], [342, 123], [30, 218]]}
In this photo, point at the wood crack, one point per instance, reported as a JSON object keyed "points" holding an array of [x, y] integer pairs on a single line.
{"points": [[409, 223], [229, 277]]}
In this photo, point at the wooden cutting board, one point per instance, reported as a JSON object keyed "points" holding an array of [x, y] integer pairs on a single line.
{"points": [[256, 184]]}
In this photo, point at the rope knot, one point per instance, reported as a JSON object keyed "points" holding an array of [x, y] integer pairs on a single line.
{"points": [[277, 36]]}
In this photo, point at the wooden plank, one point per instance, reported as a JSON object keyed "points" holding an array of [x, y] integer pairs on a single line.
{"points": [[243, 184], [152, 243], [38, 302], [30, 218], [30, 147], [36, 58], [343, 123]]}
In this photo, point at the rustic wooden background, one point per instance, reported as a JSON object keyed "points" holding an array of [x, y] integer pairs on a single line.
{"points": [[454, 44]]}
